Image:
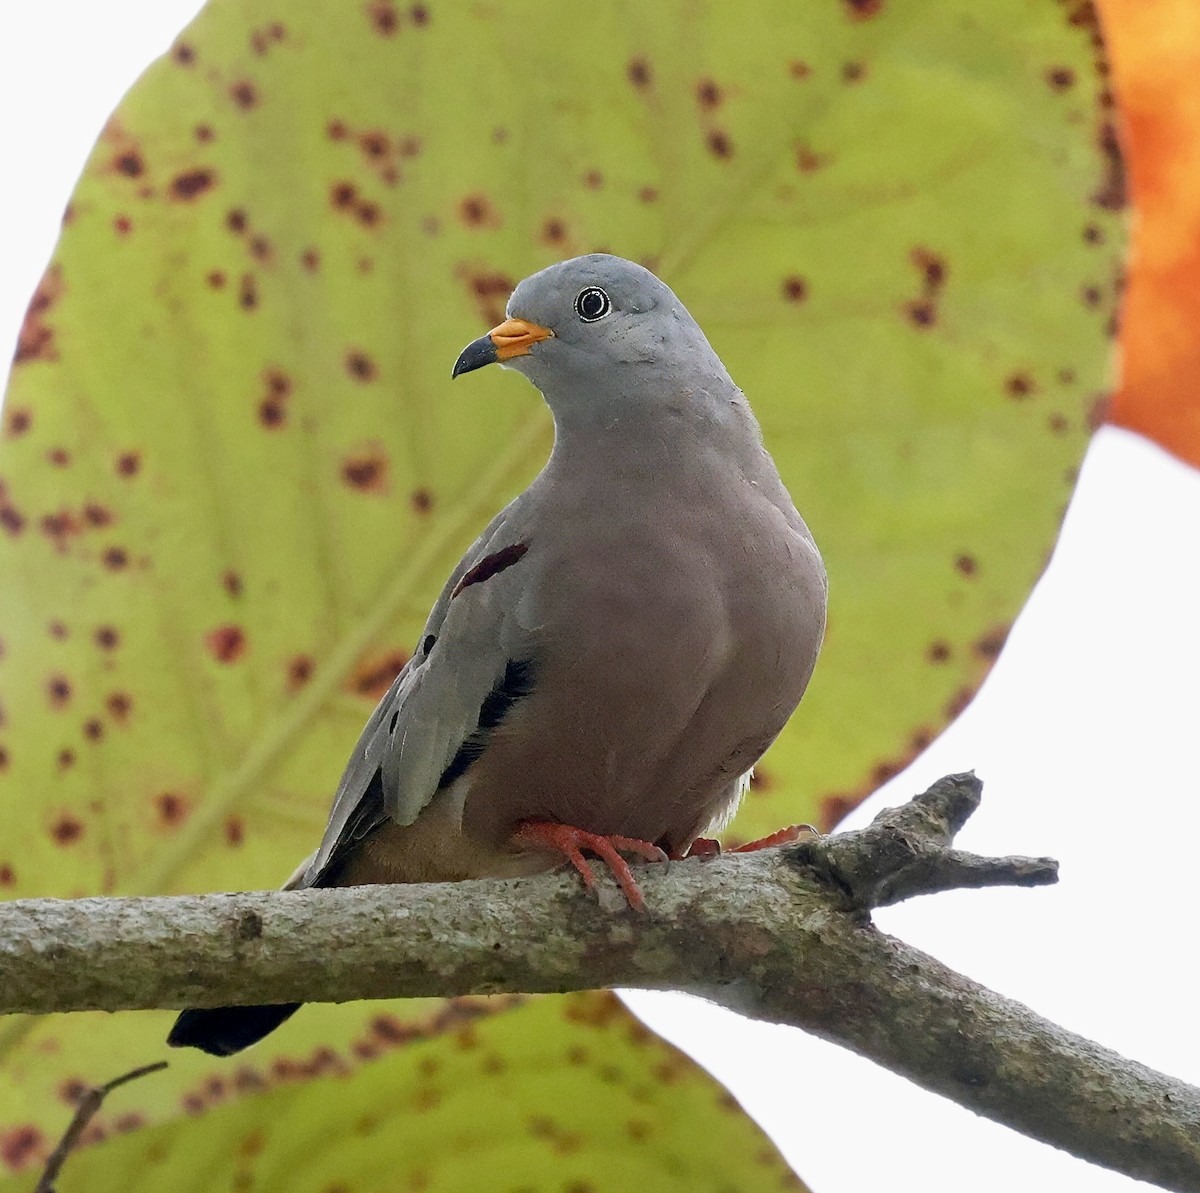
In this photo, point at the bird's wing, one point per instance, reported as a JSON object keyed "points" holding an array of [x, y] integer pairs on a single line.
{"points": [[473, 661]]}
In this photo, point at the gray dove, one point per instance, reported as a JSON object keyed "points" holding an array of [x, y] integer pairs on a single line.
{"points": [[617, 648]]}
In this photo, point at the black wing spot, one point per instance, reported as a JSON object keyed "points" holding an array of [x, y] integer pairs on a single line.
{"points": [[516, 683], [395, 718], [427, 645], [491, 565]]}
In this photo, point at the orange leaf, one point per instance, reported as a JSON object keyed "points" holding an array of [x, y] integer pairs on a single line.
{"points": [[1155, 48]]}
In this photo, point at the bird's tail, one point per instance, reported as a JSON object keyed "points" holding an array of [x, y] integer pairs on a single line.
{"points": [[222, 1031]]}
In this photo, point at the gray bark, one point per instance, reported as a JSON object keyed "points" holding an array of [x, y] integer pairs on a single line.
{"points": [[783, 935]]}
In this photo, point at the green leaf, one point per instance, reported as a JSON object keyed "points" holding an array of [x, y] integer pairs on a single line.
{"points": [[234, 473], [564, 1094]]}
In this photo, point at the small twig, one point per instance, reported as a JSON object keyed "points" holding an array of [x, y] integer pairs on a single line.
{"points": [[906, 851], [87, 1109]]}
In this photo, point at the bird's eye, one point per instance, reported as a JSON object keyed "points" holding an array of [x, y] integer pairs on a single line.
{"points": [[592, 304]]}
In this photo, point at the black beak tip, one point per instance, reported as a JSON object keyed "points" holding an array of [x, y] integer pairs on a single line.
{"points": [[474, 356]]}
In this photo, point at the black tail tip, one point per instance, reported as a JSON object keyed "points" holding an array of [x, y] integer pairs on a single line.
{"points": [[222, 1031]]}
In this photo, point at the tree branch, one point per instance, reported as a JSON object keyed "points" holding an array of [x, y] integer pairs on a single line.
{"points": [[783, 935]]}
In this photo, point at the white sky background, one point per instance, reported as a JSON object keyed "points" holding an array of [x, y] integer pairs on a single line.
{"points": [[1087, 735]]}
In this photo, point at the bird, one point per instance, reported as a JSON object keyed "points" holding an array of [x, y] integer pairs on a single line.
{"points": [[613, 653]]}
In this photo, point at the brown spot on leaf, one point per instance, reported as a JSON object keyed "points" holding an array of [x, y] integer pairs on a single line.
{"points": [[118, 705], [122, 225], [300, 671], [271, 413], [1091, 296], [593, 180], [360, 366], [172, 808], [794, 288], [853, 72], [216, 279], [130, 163], [115, 558], [419, 15], [490, 291], [98, 515], [232, 583], [183, 53], [17, 421], [1058, 424], [863, 10], [965, 564], [1060, 78], [235, 831], [57, 629], [921, 739], [958, 702], [638, 72], [719, 144], [938, 652], [708, 94], [3, 759], [310, 259], [988, 646], [932, 267], [368, 214], [226, 643], [244, 94], [107, 637], [807, 160], [1093, 234], [648, 194], [236, 220], [66, 759], [337, 130], [1020, 386], [260, 248], [375, 144], [491, 565], [67, 829], [1097, 413], [1112, 192], [8, 876], [19, 1145], [192, 183], [343, 195], [93, 729], [921, 313], [383, 17], [366, 471], [35, 341], [554, 232], [129, 464], [248, 292], [477, 212], [422, 501], [204, 133], [372, 677], [73, 1090], [58, 691], [799, 69]]}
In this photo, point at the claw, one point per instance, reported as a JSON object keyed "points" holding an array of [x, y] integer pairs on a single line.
{"points": [[783, 836], [571, 841]]}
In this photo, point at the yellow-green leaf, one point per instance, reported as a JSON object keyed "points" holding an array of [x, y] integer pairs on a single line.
{"points": [[234, 473], [565, 1095]]}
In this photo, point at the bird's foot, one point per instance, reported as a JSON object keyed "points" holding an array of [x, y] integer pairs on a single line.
{"points": [[703, 847], [571, 842]]}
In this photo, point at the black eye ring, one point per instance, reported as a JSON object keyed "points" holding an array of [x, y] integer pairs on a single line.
{"points": [[592, 304]]}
